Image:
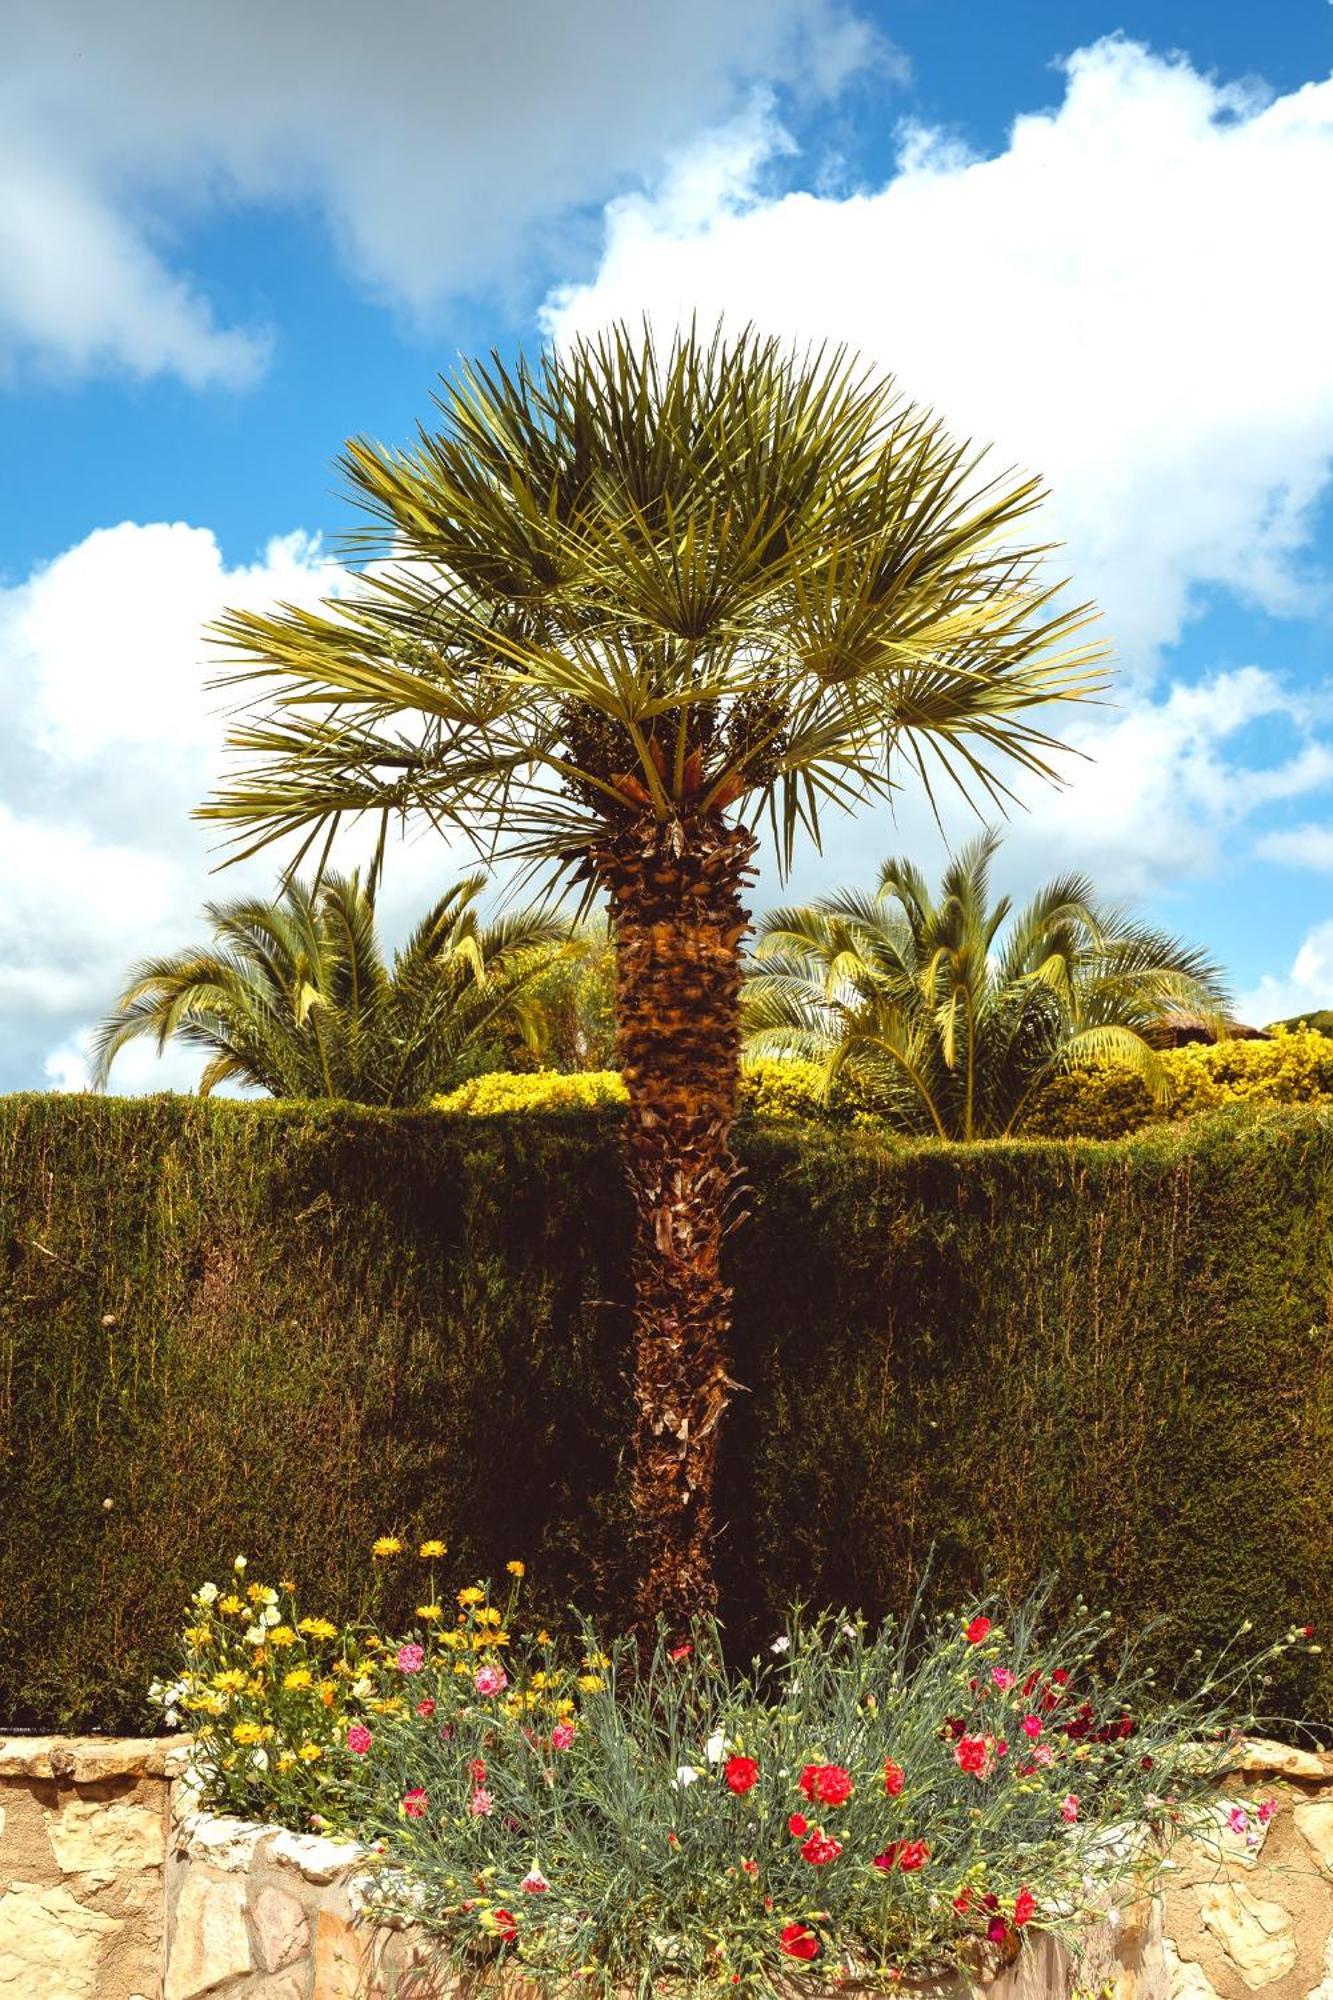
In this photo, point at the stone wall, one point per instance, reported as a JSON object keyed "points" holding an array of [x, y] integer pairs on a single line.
{"points": [[84, 1823], [1255, 1914], [112, 1888]]}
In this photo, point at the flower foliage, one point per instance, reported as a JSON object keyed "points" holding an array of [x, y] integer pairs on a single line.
{"points": [[860, 1802]]}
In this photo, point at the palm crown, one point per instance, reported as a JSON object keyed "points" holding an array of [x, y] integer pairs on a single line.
{"points": [[614, 584], [950, 1012], [295, 997]]}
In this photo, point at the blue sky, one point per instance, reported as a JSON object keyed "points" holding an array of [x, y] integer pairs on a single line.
{"points": [[1094, 233]]}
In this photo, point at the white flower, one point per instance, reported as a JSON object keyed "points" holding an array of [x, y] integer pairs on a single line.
{"points": [[207, 1593], [685, 1773], [259, 1760], [363, 1687], [270, 1616], [715, 1749], [239, 1565], [255, 1635], [782, 1645]]}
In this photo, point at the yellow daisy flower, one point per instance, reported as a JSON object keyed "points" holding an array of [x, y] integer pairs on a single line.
{"points": [[517, 1568], [385, 1546], [431, 1549]]}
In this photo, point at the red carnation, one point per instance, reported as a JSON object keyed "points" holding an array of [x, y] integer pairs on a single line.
{"points": [[997, 1930], [1060, 1675], [974, 1754], [1025, 1907], [825, 1784], [799, 1941], [740, 1773], [978, 1630], [894, 1778], [820, 1848], [506, 1926], [797, 1825], [963, 1903], [681, 1652], [905, 1855]]}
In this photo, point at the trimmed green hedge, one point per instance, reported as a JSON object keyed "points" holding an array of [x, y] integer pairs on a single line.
{"points": [[285, 1329]]}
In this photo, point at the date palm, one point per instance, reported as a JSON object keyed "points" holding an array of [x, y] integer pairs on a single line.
{"points": [[618, 608], [295, 996], [949, 1013]]}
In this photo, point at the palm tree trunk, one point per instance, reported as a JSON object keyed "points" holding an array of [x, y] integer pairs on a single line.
{"points": [[675, 890]]}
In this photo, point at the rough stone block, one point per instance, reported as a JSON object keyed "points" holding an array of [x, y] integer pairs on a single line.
{"points": [[210, 1943]]}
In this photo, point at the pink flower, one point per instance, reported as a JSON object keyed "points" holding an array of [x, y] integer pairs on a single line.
{"points": [[359, 1739], [411, 1659], [481, 1805], [1266, 1809], [1032, 1726], [415, 1803], [997, 1930], [490, 1680], [1069, 1810], [1043, 1754], [1003, 1678], [562, 1736], [426, 1707], [534, 1883], [1238, 1820]]}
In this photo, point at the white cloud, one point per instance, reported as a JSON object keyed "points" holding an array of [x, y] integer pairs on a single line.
{"points": [[1129, 297], [444, 144], [1305, 989], [1153, 792], [1298, 847], [111, 739]]}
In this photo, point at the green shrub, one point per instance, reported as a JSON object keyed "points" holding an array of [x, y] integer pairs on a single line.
{"points": [[288, 1329], [1109, 1102], [900, 1798]]}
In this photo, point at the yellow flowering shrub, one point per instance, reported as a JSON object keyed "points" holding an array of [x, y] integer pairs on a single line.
{"points": [[504, 1092], [770, 1088], [284, 1705], [1294, 1067]]}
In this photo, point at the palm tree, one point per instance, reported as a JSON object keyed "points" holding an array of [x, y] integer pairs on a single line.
{"points": [[294, 997], [617, 607], [948, 1015]]}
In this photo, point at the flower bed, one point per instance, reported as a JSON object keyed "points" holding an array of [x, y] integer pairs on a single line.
{"points": [[875, 1806]]}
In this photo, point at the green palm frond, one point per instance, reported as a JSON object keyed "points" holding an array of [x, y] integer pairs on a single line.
{"points": [[948, 1012], [622, 579], [295, 998]]}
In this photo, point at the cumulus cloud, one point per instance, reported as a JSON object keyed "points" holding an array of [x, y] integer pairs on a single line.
{"points": [[1299, 847], [113, 736], [111, 739], [1306, 987], [1127, 298], [445, 145]]}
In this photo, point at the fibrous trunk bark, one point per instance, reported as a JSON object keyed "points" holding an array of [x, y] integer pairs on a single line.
{"points": [[676, 907]]}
